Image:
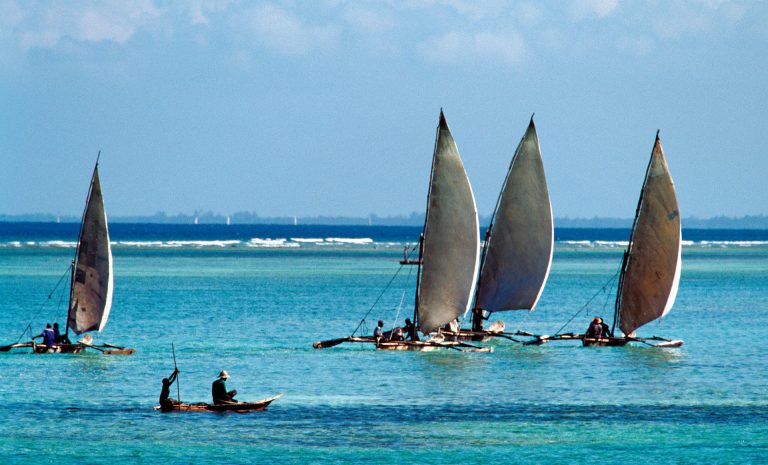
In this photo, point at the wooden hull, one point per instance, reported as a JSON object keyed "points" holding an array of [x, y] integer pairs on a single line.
{"points": [[415, 346], [58, 349], [604, 341], [76, 348], [238, 407]]}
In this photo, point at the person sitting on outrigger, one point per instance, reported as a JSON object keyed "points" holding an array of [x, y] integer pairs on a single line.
{"points": [[606, 330], [595, 330], [166, 403], [219, 390], [49, 337]]}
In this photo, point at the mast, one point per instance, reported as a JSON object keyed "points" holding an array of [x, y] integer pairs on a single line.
{"points": [[71, 288], [517, 253], [451, 246], [628, 252], [418, 279], [477, 312], [77, 249], [93, 282], [650, 271]]}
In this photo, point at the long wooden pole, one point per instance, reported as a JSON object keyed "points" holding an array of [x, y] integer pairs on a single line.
{"points": [[178, 388]]}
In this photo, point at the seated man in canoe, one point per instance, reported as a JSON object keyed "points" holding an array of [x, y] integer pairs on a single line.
{"points": [[166, 403], [219, 390], [48, 336]]}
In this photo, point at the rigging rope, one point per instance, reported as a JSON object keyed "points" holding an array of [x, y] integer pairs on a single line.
{"points": [[602, 289], [383, 292], [40, 307]]}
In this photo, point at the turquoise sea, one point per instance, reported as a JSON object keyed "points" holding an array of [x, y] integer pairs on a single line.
{"points": [[252, 300]]}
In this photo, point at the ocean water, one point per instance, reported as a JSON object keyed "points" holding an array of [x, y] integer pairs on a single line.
{"points": [[252, 299]]}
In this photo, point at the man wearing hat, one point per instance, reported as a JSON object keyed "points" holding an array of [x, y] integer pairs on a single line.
{"points": [[219, 390]]}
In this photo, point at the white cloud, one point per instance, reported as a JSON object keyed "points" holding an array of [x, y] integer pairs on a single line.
{"points": [[284, 32], [46, 25], [642, 45], [599, 8], [458, 47], [367, 19], [530, 14]]}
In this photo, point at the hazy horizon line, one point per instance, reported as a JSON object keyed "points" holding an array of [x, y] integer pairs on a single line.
{"points": [[413, 219]]}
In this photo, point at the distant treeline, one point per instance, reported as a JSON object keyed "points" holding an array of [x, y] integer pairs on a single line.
{"points": [[414, 219]]}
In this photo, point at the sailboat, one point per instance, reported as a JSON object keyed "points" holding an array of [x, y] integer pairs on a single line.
{"points": [[517, 251], [91, 281], [449, 249], [650, 270]]}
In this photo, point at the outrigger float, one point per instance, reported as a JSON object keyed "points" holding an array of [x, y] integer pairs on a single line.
{"points": [[91, 283], [649, 276], [448, 256]]}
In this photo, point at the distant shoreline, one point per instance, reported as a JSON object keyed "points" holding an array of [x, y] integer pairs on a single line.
{"points": [[718, 222]]}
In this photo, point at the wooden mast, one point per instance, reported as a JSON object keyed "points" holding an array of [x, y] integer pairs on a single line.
{"points": [[416, 302], [77, 249], [628, 252]]}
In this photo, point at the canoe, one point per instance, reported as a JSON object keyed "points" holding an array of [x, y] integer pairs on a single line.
{"points": [[239, 407]]}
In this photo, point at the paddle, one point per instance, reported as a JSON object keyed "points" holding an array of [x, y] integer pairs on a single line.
{"points": [[330, 343], [178, 388]]}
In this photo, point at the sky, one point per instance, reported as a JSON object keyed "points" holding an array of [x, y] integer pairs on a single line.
{"points": [[330, 107]]}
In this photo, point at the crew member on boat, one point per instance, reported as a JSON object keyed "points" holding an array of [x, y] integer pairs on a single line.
{"points": [[410, 330], [58, 337], [477, 319], [606, 330], [595, 330], [378, 333], [219, 390], [49, 337], [166, 403]]}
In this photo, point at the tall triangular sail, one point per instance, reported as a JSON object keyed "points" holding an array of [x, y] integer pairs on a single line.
{"points": [[518, 254], [451, 238], [91, 292], [651, 275]]}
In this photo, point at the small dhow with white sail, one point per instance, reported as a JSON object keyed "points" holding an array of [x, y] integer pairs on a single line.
{"points": [[449, 249], [91, 284], [650, 270]]}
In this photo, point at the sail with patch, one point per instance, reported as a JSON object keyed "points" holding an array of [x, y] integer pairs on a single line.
{"points": [[93, 281], [520, 241], [651, 274], [451, 238]]}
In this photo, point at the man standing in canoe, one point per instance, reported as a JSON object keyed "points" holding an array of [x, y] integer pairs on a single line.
{"points": [[219, 390], [166, 403]]}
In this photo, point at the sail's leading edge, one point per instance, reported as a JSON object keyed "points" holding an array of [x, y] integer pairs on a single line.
{"points": [[93, 281], [451, 238], [652, 273], [519, 251]]}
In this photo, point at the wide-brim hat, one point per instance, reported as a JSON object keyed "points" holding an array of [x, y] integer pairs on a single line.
{"points": [[224, 374]]}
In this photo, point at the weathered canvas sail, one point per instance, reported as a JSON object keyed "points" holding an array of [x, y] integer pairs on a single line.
{"points": [[91, 293], [451, 238], [652, 272], [519, 250]]}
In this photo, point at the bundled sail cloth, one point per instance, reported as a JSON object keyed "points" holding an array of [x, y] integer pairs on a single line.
{"points": [[451, 238], [92, 285], [652, 272], [519, 250]]}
